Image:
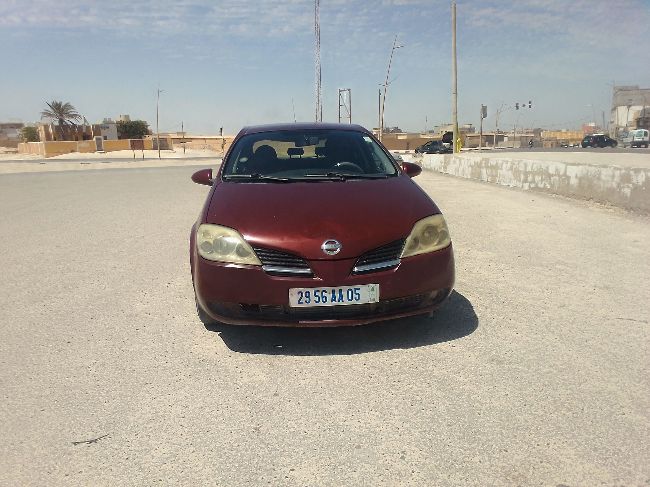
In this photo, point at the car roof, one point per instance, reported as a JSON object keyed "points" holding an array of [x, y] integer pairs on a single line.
{"points": [[297, 127]]}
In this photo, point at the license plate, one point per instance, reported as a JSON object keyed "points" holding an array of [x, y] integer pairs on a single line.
{"points": [[300, 297]]}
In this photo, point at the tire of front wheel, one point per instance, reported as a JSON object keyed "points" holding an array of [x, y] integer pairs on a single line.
{"points": [[203, 316]]}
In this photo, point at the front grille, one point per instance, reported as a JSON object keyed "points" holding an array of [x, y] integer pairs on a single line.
{"points": [[276, 262], [380, 258]]}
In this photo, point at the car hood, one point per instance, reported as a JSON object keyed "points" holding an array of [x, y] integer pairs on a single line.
{"points": [[298, 217]]}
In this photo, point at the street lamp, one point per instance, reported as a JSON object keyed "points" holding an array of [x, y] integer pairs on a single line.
{"points": [[383, 101], [454, 81], [499, 111]]}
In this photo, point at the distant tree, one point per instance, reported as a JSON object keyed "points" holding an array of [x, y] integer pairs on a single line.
{"points": [[63, 113], [29, 134], [132, 129]]}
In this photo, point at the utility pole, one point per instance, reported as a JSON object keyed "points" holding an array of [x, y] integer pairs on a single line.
{"points": [[383, 101], [501, 109], [159, 91], [454, 78], [183, 132], [379, 115], [496, 130], [319, 103], [483, 115]]}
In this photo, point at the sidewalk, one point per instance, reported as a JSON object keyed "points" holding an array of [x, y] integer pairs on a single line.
{"points": [[21, 163]]}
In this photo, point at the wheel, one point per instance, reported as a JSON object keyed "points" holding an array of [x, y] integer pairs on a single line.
{"points": [[203, 316], [614, 144], [348, 166]]}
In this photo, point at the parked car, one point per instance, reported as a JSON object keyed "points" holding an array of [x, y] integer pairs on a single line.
{"points": [[316, 225], [434, 147], [598, 140], [637, 138]]}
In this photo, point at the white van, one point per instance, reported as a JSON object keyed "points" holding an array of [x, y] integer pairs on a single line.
{"points": [[636, 138]]}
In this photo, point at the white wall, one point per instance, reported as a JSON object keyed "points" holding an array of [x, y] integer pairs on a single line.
{"points": [[109, 131]]}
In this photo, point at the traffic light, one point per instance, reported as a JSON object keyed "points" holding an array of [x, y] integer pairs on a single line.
{"points": [[516, 106]]}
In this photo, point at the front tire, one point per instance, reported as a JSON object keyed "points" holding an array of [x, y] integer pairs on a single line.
{"points": [[203, 316]]}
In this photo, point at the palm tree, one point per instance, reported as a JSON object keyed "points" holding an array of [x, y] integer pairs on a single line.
{"points": [[63, 113]]}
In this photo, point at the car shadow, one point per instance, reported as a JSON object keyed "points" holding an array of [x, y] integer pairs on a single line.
{"points": [[455, 319]]}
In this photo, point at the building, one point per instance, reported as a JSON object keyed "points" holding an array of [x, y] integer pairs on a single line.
{"points": [[466, 128], [591, 128], [628, 104], [403, 140], [50, 132], [555, 138], [107, 129], [643, 122], [217, 143], [10, 134], [395, 139]]}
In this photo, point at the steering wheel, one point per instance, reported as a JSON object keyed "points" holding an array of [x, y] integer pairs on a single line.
{"points": [[348, 166]]}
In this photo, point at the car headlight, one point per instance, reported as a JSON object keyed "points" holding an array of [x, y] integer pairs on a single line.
{"points": [[428, 235], [224, 244]]}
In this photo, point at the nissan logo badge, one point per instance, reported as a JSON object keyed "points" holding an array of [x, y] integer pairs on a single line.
{"points": [[331, 247]]}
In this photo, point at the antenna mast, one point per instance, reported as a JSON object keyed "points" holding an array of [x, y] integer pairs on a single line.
{"points": [[345, 102], [319, 104]]}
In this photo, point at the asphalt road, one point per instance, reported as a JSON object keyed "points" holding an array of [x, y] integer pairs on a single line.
{"points": [[536, 372]]}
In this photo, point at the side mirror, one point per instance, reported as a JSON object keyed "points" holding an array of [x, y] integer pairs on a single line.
{"points": [[204, 176], [411, 169]]}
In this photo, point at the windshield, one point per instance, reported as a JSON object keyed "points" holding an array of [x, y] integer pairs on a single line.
{"points": [[307, 155]]}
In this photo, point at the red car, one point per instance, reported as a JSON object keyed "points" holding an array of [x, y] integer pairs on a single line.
{"points": [[316, 225]]}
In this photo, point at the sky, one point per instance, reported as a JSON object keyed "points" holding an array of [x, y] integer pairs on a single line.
{"points": [[229, 63]]}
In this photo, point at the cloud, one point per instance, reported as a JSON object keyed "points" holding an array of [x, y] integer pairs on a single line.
{"points": [[578, 24], [164, 16]]}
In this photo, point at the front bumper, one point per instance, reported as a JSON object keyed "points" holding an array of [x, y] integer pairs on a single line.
{"points": [[246, 295]]}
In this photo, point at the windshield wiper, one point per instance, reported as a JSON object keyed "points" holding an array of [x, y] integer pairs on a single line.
{"points": [[341, 176], [254, 177]]}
